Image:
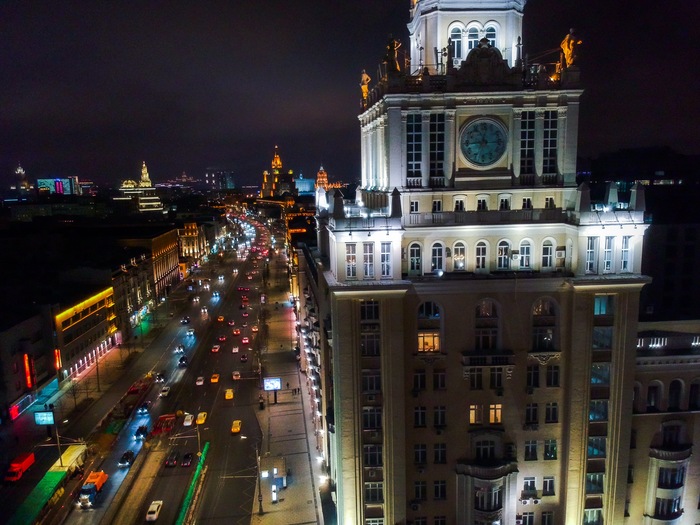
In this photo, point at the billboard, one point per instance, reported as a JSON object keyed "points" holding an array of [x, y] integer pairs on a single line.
{"points": [[272, 383]]}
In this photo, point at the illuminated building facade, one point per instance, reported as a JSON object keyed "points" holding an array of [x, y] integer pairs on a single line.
{"points": [[85, 331], [476, 312], [60, 186], [142, 194], [276, 182], [322, 181], [193, 241]]}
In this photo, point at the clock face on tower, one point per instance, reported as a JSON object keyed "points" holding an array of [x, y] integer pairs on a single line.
{"points": [[483, 141]]}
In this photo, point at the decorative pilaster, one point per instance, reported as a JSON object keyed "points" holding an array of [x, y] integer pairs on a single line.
{"points": [[450, 140], [425, 150], [539, 142], [515, 142]]}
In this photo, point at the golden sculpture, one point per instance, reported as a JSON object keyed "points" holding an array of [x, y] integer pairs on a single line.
{"points": [[364, 85], [569, 48]]}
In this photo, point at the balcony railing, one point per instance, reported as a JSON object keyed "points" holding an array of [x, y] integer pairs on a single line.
{"points": [[552, 215]]}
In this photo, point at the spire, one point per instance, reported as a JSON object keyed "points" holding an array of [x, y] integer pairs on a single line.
{"points": [[145, 179], [276, 161]]}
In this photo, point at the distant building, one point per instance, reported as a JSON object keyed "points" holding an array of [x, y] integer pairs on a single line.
{"points": [[141, 195], [322, 181], [61, 186], [276, 182], [219, 179], [304, 186]]}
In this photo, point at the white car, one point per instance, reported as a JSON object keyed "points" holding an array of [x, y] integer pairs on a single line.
{"points": [[190, 331], [154, 510], [200, 381], [235, 350], [189, 418], [164, 391]]}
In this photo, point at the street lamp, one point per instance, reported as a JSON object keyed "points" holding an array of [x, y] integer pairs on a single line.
{"points": [[257, 463]]}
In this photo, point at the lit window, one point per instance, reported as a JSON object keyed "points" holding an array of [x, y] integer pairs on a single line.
{"points": [[459, 256], [414, 256], [350, 261], [503, 259], [428, 341], [495, 413]]}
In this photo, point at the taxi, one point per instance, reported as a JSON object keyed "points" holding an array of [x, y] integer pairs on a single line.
{"points": [[214, 378], [229, 393], [201, 418], [220, 319], [236, 426]]}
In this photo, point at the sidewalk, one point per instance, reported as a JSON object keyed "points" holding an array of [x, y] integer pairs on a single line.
{"points": [[286, 425]]}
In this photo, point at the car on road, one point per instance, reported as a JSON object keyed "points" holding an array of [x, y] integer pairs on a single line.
{"points": [[245, 314], [185, 320], [141, 432], [245, 325], [189, 418], [160, 377], [229, 393], [220, 319], [190, 331], [180, 349], [143, 407], [182, 363], [244, 358], [234, 350], [195, 299], [240, 288], [222, 338], [254, 328], [221, 277], [154, 510], [172, 459], [164, 391], [215, 294], [214, 378], [127, 458], [187, 459], [236, 331], [215, 348], [200, 381], [201, 418], [231, 322], [236, 375], [236, 426], [205, 310], [245, 341], [244, 298]]}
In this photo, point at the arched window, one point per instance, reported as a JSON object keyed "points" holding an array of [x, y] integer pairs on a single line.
{"points": [[694, 396], [459, 257], [547, 255], [456, 36], [486, 325], [437, 257], [414, 259], [490, 34], [653, 397], [525, 254], [675, 390], [429, 319], [544, 324], [472, 38], [503, 259], [481, 256]]}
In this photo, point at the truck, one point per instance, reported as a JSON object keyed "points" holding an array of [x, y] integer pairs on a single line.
{"points": [[91, 488], [164, 424], [19, 466]]}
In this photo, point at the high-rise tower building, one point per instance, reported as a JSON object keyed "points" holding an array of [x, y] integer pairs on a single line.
{"points": [[276, 182], [472, 321]]}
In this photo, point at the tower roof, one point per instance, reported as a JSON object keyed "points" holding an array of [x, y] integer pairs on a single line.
{"points": [[276, 161]]}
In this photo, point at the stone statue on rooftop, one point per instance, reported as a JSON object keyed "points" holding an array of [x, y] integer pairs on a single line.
{"points": [[569, 48]]}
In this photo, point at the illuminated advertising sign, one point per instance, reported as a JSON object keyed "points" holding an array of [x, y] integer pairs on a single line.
{"points": [[272, 383], [45, 417]]}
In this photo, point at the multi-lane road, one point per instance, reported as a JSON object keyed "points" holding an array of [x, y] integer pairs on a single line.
{"points": [[229, 477]]}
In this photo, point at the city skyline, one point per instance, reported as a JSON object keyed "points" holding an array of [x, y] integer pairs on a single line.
{"points": [[93, 90]]}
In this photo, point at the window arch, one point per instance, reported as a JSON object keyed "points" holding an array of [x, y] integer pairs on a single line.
{"points": [[486, 325], [456, 36], [429, 324], [472, 38], [481, 254], [547, 255], [459, 256], [675, 391], [414, 259], [694, 395], [437, 257], [503, 257], [544, 325], [525, 255], [654, 390], [490, 34]]}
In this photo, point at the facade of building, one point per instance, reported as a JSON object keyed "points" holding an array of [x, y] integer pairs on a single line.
{"points": [[470, 319], [276, 182], [141, 195], [219, 179]]}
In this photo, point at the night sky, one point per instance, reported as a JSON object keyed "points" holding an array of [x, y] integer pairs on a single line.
{"points": [[92, 88]]}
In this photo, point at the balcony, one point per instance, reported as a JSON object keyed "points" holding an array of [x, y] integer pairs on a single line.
{"points": [[672, 453], [447, 218]]}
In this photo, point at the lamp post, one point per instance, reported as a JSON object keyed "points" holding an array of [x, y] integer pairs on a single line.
{"points": [[260, 497]]}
